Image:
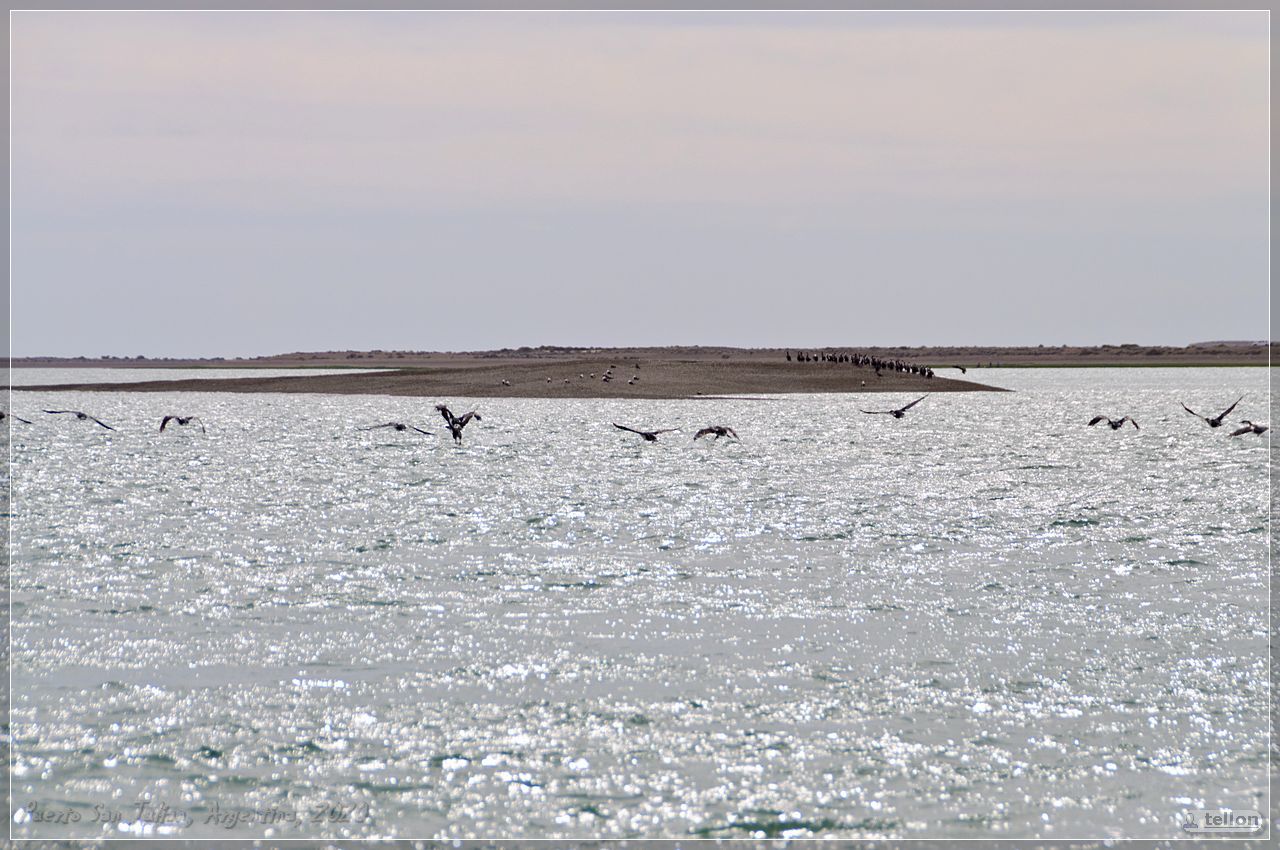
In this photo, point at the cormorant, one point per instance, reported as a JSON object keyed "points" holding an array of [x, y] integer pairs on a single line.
{"points": [[901, 411], [1249, 428], [399, 426], [718, 431], [457, 423], [182, 420], [1215, 422], [1116, 424], [650, 436], [80, 415]]}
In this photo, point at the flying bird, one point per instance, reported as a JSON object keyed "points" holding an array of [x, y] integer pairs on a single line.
{"points": [[4, 416], [650, 436], [901, 411], [1116, 424], [82, 416], [961, 368], [1249, 428], [457, 423], [1215, 422], [182, 420], [399, 426], [717, 431]]}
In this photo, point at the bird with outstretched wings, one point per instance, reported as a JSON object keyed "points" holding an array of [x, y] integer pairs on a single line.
{"points": [[901, 411], [457, 423], [1216, 421], [183, 420], [717, 431], [1250, 428], [399, 426], [1116, 424], [82, 416], [649, 436]]}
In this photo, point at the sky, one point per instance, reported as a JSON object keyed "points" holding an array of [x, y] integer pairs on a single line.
{"points": [[242, 184]]}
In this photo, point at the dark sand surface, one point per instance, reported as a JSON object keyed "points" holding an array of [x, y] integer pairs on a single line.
{"points": [[572, 378], [668, 372]]}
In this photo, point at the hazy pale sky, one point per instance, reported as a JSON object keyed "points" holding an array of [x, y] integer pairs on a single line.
{"points": [[227, 183]]}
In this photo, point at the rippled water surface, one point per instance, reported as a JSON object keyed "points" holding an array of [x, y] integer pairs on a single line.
{"points": [[982, 619]]}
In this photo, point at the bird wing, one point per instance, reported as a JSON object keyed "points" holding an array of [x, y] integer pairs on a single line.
{"points": [[1095, 420], [1134, 421], [875, 411], [103, 424], [376, 427], [914, 403], [1192, 412], [59, 411], [201, 421], [664, 431], [20, 419], [1245, 430], [420, 431], [165, 421], [467, 417], [444, 411], [702, 432], [625, 428], [732, 433], [1231, 408]]}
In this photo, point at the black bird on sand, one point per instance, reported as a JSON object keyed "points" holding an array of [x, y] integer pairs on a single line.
{"points": [[901, 411], [399, 426], [1250, 428], [650, 436], [717, 431], [457, 423], [182, 420], [79, 415], [1116, 424], [1215, 422]]}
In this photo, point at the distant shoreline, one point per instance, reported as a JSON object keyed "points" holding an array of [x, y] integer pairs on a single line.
{"points": [[1202, 354], [650, 373]]}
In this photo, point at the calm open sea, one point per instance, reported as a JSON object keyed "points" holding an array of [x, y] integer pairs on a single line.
{"points": [[985, 619]]}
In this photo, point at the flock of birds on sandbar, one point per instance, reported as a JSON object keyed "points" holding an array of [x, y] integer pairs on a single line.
{"points": [[455, 424], [866, 361]]}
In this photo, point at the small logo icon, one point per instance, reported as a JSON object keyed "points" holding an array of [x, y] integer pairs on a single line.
{"points": [[1221, 820]]}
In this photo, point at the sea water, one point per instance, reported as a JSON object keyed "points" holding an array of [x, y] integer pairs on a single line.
{"points": [[984, 619]]}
